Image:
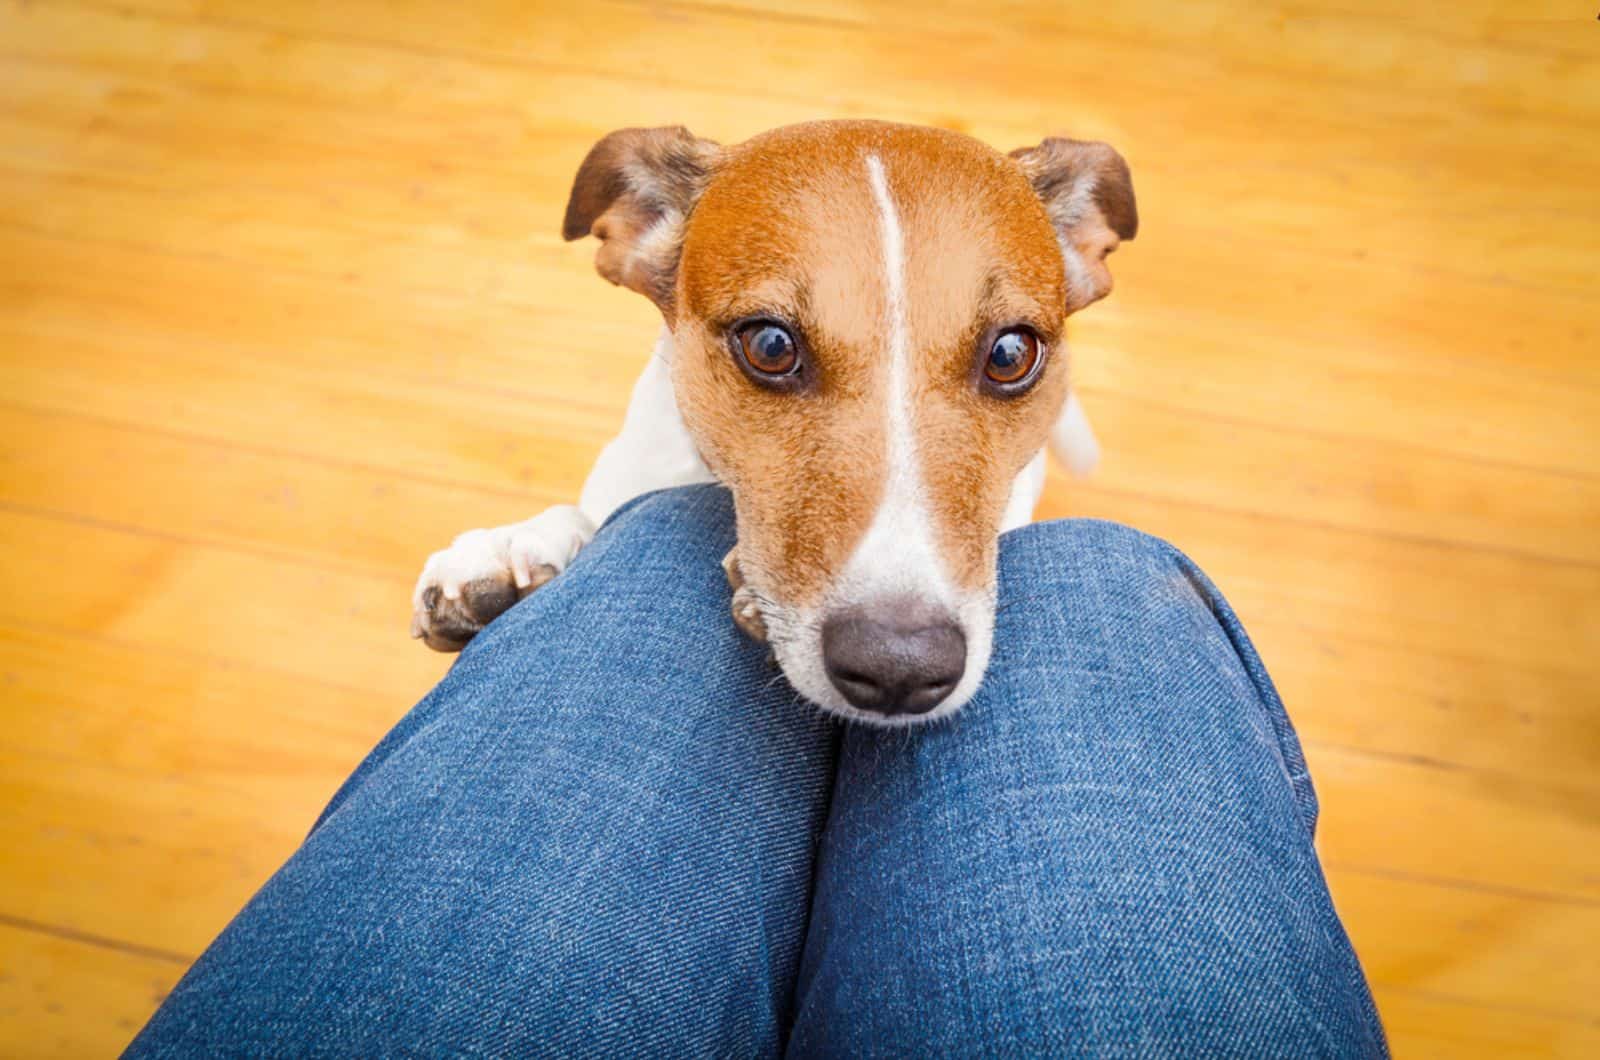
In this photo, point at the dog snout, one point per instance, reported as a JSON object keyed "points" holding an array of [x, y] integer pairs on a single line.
{"points": [[893, 658]]}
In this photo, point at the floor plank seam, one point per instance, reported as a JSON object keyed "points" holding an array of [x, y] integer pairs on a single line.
{"points": [[221, 662], [69, 934], [1452, 883]]}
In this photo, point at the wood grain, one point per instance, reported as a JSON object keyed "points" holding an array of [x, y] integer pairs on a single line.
{"points": [[68, 995], [283, 307]]}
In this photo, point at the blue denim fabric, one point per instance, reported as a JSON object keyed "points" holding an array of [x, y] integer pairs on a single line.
{"points": [[1108, 854], [614, 830]]}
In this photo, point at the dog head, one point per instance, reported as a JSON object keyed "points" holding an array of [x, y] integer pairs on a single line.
{"points": [[867, 322]]}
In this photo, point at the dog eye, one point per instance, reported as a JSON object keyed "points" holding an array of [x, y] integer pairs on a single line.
{"points": [[1013, 357], [768, 348]]}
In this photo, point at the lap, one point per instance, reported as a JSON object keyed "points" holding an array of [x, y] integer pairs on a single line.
{"points": [[614, 828]]}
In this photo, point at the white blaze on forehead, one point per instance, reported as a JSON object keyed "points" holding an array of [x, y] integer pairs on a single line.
{"points": [[897, 556], [897, 559], [904, 475]]}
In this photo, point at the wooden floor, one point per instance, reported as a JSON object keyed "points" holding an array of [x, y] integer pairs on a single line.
{"points": [[283, 307]]}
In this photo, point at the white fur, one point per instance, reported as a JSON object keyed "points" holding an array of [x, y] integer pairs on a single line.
{"points": [[1079, 279], [653, 450], [549, 539], [1025, 491], [1072, 440], [1066, 213]]}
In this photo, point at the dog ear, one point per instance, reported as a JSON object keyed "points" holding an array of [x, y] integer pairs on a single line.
{"points": [[634, 192], [1088, 193]]}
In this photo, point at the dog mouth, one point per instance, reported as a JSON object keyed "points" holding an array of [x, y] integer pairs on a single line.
{"points": [[893, 662]]}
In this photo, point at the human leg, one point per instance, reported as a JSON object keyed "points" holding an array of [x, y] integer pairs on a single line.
{"points": [[594, 836], [1107, 853]]}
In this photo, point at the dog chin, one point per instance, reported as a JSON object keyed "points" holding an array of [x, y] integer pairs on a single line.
{"points": [[796, 641]]}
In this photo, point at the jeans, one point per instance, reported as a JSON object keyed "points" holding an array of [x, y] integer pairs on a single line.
{"points": [[613, 829]]}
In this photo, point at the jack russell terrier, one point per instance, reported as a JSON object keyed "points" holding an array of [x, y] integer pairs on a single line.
{"points": [[864, 342]]}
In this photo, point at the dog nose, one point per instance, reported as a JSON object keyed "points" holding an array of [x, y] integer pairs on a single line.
{"points": [[894, 658]]}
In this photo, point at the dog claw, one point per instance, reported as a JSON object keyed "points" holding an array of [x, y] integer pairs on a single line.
{"points": [[747, 615], [746, 610]]}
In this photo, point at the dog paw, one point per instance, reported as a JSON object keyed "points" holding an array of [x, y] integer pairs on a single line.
{"points": [[466, 586]]}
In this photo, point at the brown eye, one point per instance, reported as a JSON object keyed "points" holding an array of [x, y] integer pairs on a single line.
{"points": [[768, 348], [1013, 356]]}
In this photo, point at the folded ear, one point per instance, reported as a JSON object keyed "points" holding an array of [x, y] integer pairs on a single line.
{"points": [[634, 192], [1088, 193]]}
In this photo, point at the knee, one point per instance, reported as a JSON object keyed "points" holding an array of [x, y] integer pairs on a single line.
{"points": [[1092, 610], [1111, 548], [1093, 567], [1081, 596]]}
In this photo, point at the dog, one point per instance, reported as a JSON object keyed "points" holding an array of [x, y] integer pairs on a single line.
{"points": [[863, 340]]}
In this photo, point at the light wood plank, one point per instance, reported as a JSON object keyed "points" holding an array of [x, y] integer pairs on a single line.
{"points": [[1474, 827], [170, 594], [1423, 597], [63, 997], [1377, 387], [1473, 946], [120, 763], [254, 499], [1420, 1025]]}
